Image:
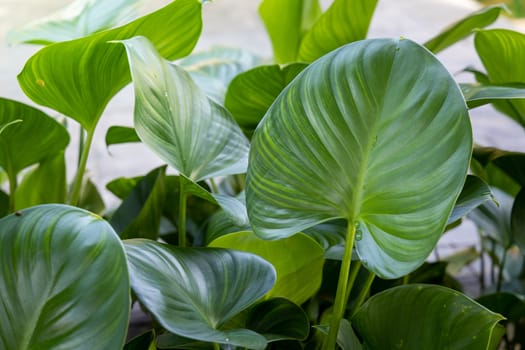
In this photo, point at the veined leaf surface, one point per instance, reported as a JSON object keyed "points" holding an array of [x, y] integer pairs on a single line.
{"points": [[376, 133]]}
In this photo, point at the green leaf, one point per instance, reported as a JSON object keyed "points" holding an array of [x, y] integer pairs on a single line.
{"points": [[509, 305], [344, 22], [78, 78], [4, 204], [501, 52], [25, 143], [173, 117], [140, 213], [90, 198], [517, 219], [144, 341], [121, 134], [173, 341], [331, 236], [278, 319], [464, 27], [407, 316], [63, 281], [221, 223], [192, 292], [346, 337], [504, 173], [46, 183], [298, 261], [287, 29], [376, 133], [80, 18], [8, 124], [474, 193], [251, 93], [478, 95]]}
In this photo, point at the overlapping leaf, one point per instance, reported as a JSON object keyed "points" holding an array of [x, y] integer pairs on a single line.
{"points": [[377, 133]]}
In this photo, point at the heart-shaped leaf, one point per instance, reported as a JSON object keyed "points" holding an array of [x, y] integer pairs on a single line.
{"points": [[79, 77], [192, 292], [63, 281], [298, 261], [376, 133], [173, 117], [80, 18], [407, 316]]}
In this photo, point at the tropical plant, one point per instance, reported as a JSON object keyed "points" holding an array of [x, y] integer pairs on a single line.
{"points": [[297, 184]]}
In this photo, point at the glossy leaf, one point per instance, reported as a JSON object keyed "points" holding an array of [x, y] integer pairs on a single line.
{"points": [[478, 95], [500, 49], [517, 219], [251, 93], [63, 282], [440, 317], [46, 183], [80, 18], [140, 213], [78, 78], [173, 117], [121, 134], [474, 193], [464, 27], [376, 133], [298, 261], [287, 29], [344, 22], [278, 319], [28, 142], [192, 292]]}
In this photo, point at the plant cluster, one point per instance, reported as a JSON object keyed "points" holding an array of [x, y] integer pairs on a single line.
{"points": [[309, 192]]}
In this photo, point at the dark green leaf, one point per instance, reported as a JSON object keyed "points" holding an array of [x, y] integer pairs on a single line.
{"points": [[482, 165], [464, 27], [346, 337], [173, 117], [331, 236], [278, 319], [509, 305], [298, 261], [90, 198], [121, 134], [192, 292], [517, 219], [376, 133], [79, 77], [144, 341], [474, 193], [171, 341], [63, 281], [139, 214], [408, 316]]}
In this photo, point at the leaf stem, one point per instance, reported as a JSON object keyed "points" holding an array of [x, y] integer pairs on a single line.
{"points": [[182, 213], [74, 198], [216, 346], [213, 185], [340, 297], [501, 270], [363, 293], [351, 280]]}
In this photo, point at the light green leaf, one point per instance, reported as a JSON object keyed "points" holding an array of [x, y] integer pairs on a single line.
{"points": [[63, 281], [46, 183], [502, 54], [192, 292], [298, 261], [78, 78], [376, 133], [464, 27], [474, 193], [251, 93], [173, 117], [121, 134], [287, 29], [407, 316], [122, 186], [478, 95], [80, 18], [344, 22]]}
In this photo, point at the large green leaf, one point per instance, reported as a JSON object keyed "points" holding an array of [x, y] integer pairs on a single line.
{"points": [[251, 93], [286, 30], [298, 261], [173, 117], [440, 318], [63, 281], [464, 27], [80, 18], [192, 292], [377, 133], [344, 22], [502, 54], [28, 142], [78, 78]]}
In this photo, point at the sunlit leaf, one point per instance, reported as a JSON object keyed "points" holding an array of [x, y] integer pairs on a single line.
{"points": [[121, 134]]}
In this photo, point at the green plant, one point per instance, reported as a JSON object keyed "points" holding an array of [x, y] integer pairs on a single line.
{"points": [[355, 152]]}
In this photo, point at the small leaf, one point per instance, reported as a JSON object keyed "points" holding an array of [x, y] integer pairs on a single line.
{"points": [[477, 95], [121, 134], [474, 193], [464, 27], [298, 261], [192, 292], [80, 18], [173, 117], [440, 317], [63, 281], [122, 186]]}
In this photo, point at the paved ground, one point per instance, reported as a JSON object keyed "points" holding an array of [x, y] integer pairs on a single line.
{"points": [[235, 23]]}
